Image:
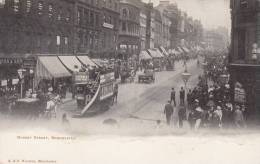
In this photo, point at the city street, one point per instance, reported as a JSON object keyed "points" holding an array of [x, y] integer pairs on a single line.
{"points": [[139, 105]]}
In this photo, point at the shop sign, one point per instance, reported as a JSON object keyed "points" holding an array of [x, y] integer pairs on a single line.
{"points": [[11, 61], [3, 83], [29, 63], [240, 94], [80, 77], [15, 81]]}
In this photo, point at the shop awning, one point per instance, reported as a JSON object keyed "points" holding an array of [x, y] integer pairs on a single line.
{"points": [[49, 67], [100, 62], [159, 53], [154, 53], [179, 49], [185, 49], [164, 51], [86, 60], [144, 56], [71, 62]]}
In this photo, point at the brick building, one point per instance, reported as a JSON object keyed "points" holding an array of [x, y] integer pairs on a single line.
{"points": [[129, 42], [244, 58], [88, 27], [110, 27], [32, 27]]}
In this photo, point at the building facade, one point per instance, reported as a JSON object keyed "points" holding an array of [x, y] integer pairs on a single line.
{"points": [[110, 27], [129, 43], [30, 27], [36, 26], [87, 27], [244, 58]]}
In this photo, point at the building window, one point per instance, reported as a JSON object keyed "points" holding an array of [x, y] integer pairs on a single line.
{"points": [[125, 13], [40, 7], [16, 5], [109, 19], [241, 44], [115, 6], [66, 40], [124, 26], [28, 6], [68, 16], [58, 40], [50, 10], [243, 4], [91, 19], [59, 14], [2, 3], [97, 20]]}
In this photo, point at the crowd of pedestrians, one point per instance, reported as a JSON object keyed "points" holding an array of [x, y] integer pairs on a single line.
{"points": [[209, 104]]}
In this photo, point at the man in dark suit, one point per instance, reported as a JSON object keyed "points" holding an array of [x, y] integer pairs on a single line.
{"points": [[182, 96], [173, 96], [168, 111]]}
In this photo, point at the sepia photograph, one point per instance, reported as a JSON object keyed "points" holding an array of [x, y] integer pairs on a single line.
{"points": [[129, 81]]}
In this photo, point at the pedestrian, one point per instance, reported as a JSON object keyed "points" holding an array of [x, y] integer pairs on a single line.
{"points": [[217, 118], [182, 115], [182, 96], [198, 113], [173, 97], [239, 117], [168, 111], [175, 116], [189, 98], [115, 93]]}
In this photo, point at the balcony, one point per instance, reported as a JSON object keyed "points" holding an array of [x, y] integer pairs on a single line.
{"points": [[245, 63]]}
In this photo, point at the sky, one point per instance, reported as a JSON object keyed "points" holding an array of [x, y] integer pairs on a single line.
{"points": [[212, 13]]}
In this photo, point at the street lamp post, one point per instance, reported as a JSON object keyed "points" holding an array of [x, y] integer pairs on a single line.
{"points": [[21, 75]]}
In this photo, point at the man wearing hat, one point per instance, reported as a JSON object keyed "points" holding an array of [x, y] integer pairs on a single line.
{"points": [[168, 111]]}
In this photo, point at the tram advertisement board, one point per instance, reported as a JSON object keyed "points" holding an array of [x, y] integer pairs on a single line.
{"points": [[80, 77]]}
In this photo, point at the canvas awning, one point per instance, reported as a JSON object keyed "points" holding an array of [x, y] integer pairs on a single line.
{"points": [[144, 56], [180, 49], [49, 67], [159, 53], [154, 53], [71, 63], [86, 60], [164, 51], [185, 49]]}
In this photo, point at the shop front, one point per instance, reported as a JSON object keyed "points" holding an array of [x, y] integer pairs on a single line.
{"points": [[245, 87]]}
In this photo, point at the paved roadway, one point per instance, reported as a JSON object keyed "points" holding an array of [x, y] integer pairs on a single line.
{"points": [[138, 104]]}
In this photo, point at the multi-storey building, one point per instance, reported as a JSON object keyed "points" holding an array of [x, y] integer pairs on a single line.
{"points": [[110, 27], [143, 26], [244, 59], [174, 14], [158, 37], [36, 26], [32, 27], [129, 33], [87, 26], [215, 40]]}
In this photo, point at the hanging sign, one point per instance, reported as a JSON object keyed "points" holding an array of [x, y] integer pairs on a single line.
{"points": [[3, 83]]}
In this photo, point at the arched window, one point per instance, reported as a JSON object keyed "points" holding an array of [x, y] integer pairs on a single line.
{"points": [[125, 13]]}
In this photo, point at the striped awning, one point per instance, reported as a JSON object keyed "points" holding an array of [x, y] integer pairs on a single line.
{"points": [[86, 60], [71, 63], [49, 67], [144, 56]]}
